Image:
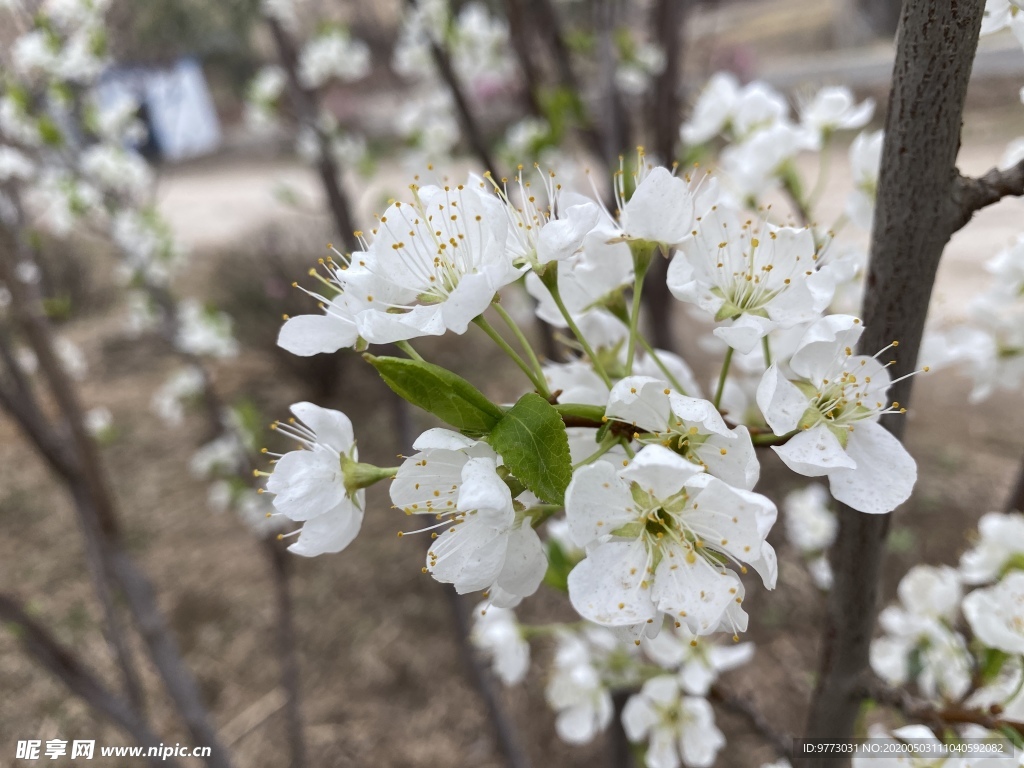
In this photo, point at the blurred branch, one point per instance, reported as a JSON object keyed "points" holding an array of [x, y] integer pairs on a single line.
{"points": [[95, 505], [620, 754], [166, 656], [76, 470], [505, 729], [467, 121], [307, 108], [616, 123], [668, 19], [289, 660], [936, 718], [520, 32], [62, 664], [1015, 503], [972, 194], [548, 21], [782, 742]]}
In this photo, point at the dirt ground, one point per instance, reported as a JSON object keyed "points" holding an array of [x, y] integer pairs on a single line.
{"points": [[384, 680]]}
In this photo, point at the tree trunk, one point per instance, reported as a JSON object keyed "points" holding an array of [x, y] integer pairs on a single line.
{"points": [[914, 218]]}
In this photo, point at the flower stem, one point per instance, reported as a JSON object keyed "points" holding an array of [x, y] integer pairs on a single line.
{"points": [[523, 342], [721, 378], [634, 320], [507, 349], [823, 167], [553, 288], [661, 365], [406, 347], [766, 346], [606, 446]]}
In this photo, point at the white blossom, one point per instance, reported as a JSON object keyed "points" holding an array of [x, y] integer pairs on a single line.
{"points": [[810, 525], [752, 278], [690, 426], [656, 534], [865, 161], [996, 613], [182, 385], [833, 109], [309, 483], [1000, 541], [204, 331], [496, 632], [920, 625], [485, 543], [697, 660], [575, 690], [834, 406], [335, 54], [679, 730]]}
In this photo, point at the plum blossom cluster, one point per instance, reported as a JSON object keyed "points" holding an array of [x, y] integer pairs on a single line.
{"points": [[671, 677], [331, 57], [762, 137], [615, 473], [957, 634], [475, 43], [989, 345]]}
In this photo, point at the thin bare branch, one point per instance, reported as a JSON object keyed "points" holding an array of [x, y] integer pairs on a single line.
{"points": [[307, 108], [550, 24], [781, 742], [970, 195], [287, 656], [38, 643], [505, 729], [74, 469], [164, 652], [937, 718], [467, 120]]}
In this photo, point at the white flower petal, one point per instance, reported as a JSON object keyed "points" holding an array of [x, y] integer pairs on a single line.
{"points": [[884, 475], [815, 452]]}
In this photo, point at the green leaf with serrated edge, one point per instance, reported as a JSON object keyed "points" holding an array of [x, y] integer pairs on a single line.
{"points": [[533, 444], [439, 391]]}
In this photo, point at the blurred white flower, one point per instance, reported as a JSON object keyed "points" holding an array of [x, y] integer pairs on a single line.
{"points": [[496, 632], [865, 161], [334, 55], [810, 525], [679, 730], [996, 613], [1000, 540]]}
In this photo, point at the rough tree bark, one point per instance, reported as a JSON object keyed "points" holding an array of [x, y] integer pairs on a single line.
{"points": [[915, 215]]}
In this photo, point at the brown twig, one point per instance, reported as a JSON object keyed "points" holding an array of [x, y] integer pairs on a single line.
{"points": [[1015, 502], [79, 468], [38, 643], [972, 194], [289, 660], [307, 109], [467, 120], [781, 742], [937, 718], [550, 23]]}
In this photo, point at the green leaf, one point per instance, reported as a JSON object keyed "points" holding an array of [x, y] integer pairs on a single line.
{"points": [[439, 391], [532, 442]]}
